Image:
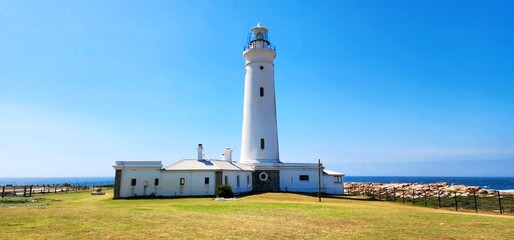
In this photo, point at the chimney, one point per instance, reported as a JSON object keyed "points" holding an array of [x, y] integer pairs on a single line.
{"points": [[227, 154], [200, 152]]}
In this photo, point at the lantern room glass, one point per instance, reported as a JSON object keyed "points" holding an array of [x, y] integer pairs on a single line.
{"points": [[259, 36]]}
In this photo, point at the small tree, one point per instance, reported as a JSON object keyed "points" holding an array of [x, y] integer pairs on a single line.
{"points": [[224, 191]]}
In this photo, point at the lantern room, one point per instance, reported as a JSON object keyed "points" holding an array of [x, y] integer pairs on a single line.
{"points": [[258, 38]]}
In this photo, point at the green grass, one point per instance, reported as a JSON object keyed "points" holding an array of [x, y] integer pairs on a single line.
{"points": [[263, 216]]}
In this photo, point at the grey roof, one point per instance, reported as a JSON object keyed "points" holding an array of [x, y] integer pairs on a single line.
{"points": [[157, 164], [208, 164], [332, 173]]}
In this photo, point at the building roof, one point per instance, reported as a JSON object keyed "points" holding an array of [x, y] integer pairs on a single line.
{"points": [[332, 173], [138, 164], [208, 164]]}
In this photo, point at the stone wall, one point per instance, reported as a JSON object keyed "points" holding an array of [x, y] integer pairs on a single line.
{"points": [[266, 181], [117, 184]]}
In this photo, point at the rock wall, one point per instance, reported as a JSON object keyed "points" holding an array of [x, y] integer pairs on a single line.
{"points": [[416, 190], [266, 181]]}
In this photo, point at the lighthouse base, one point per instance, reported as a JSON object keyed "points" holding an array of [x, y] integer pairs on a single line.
{"points": [[266, 180]]}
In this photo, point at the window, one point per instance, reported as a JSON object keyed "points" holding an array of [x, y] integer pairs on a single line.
{"points": [[182, 181], [156, 182], [304, 177], [262, 92], [248, 180], [133, 182], [226, 180], [262, 143], [238, 181], [206, 181], [338, 179]]}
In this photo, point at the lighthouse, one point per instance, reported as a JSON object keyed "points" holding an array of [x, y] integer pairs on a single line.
{"points": [[259, 168], [260, 137]]}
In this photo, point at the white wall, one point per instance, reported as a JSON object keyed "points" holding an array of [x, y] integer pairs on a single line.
{"points": [[330, 187], [144, 176], [194, 184], [169, 182], [232, 180], [290, 180]]}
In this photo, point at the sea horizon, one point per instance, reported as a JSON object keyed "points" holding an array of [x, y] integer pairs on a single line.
{"points": [[493, 183]]}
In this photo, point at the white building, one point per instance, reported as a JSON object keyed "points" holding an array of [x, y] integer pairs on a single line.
{"points": [[259, 168]]}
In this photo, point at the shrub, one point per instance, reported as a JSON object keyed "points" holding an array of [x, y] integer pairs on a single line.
{"points": [[18, 200], [224, 191]]}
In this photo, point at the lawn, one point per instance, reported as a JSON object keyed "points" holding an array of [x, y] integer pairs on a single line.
{"points": [[263, 216]]}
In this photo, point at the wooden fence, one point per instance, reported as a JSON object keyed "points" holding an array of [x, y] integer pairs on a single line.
{"points": [[29, 190], [494, 201]]}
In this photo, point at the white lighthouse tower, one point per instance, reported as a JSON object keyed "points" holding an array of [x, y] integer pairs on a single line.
{"points": [[260, 137]]}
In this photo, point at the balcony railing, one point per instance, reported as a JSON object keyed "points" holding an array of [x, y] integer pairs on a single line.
{"points": [[259, 44]]}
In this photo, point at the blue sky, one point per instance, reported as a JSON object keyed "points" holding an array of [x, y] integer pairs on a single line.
{"points": [[412, 88]]}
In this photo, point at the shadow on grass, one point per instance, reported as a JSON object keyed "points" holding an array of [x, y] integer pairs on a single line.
{"points": [[245, 195], [162, 197], [315, 195]]}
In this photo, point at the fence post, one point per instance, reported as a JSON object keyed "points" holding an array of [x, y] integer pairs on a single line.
{"points": [[14, 191], [455, 196], [425, 198], [30, 193], [500, 202], [413, 199], [475, 197], [25, 191], [403, 196], [55, 188], [3, 191], [394, 194]]}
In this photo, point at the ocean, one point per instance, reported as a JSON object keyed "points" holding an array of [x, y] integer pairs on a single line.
{"points": [[87, 181], [496, 183]]}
